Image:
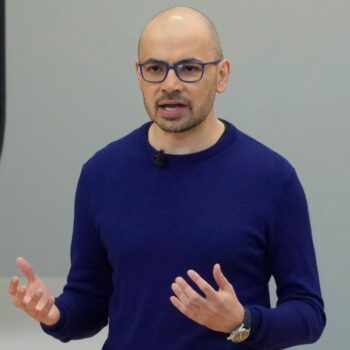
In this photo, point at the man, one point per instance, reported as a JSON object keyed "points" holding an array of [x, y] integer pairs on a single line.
{"points": [[180, 225]]}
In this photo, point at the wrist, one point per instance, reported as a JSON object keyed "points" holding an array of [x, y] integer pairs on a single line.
{"points": [[236, 320], [242, 332]]}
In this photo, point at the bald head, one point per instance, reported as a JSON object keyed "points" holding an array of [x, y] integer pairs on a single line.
{"points": [[183, 18]]}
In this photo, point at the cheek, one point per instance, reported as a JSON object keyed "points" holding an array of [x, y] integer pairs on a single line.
{"points": [[149, 96], [200, 96], [147, 92], [149, 88]]}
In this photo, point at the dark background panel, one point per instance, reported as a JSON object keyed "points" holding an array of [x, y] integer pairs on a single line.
{"points": [[2, 73]]}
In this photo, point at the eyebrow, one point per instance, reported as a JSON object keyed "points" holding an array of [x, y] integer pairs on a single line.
{"points": [[188, 59]]}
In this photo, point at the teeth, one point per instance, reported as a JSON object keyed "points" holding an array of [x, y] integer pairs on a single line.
{"points": [[167, 108]]}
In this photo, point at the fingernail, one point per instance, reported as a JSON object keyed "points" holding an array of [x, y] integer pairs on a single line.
{"points": [[191, 273]]}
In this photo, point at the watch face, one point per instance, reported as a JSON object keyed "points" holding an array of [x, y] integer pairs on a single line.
{"points": [[240, 336], [243, 335]]}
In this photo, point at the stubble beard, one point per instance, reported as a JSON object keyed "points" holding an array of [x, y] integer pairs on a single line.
{"points": [[187, 122]]}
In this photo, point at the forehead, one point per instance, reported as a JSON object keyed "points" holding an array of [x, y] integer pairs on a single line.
{"points": [[174, 40]]}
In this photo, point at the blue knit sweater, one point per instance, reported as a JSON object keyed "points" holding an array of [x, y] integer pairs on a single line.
{"points": [[138, 226]]}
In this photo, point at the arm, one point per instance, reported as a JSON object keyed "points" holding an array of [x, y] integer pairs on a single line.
{"points": [[84, 302], [299, 316]]}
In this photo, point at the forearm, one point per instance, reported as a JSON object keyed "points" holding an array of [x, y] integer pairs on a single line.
{"points": [[82, 316], [291, 323], [84, 302], [299, 317]]}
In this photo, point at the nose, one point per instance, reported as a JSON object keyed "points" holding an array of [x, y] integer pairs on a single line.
{"points": [[172, 82]]}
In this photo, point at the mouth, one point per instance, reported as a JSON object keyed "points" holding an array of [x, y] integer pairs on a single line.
{"points": [[172, 110], [171, 105]]}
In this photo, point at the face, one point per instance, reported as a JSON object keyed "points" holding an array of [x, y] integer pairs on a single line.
{"points": [[176, 106]]}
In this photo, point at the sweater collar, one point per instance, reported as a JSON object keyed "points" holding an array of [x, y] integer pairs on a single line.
{"points": [[226, 138]]}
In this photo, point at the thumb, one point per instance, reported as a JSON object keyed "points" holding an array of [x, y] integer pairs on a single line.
{"points": [[220, 279], [26, 269]]}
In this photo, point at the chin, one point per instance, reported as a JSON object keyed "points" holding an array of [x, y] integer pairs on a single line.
{"points": [[179, 125]]}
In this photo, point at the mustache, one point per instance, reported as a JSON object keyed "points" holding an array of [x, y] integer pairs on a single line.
{"points": [[173, 96]]}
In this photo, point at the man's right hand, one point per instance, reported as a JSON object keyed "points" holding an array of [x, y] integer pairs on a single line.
{"points": [[34, 297]]}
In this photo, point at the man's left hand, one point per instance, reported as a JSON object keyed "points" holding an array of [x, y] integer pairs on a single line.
{"points": [[219, 310]]}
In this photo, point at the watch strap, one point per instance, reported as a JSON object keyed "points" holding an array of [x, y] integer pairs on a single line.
{"points": [[247, 320]]}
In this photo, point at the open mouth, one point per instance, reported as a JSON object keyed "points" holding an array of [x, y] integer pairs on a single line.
{"points": [[172, 107], [172, 104]]}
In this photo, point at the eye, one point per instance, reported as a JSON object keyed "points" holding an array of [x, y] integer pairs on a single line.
{"points": [[190, 68], [154, 68]]}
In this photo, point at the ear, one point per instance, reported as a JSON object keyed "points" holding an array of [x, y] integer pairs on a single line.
{"points": [[223, 75]]}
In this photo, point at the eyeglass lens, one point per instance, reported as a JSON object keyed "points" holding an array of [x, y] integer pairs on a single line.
{"points": [[187, 71]]}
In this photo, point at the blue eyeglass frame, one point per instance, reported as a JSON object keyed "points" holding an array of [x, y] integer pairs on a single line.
{"points": [[174, 68]]}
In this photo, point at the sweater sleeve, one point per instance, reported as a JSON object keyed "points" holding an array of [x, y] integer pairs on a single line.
{"points": [[84, 301], [298, 317]]}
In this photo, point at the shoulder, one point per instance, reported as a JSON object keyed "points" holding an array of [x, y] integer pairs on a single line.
{"points": [[116, 153], [257, 159]]}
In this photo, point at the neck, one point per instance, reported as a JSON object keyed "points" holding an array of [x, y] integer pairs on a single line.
{"points": [[195, 140]]}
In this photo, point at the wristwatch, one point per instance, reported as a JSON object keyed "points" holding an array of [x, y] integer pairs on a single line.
{"points": [[242, 332]]}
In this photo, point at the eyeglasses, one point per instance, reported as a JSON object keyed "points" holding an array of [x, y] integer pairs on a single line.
{"points": [[187, 71]]}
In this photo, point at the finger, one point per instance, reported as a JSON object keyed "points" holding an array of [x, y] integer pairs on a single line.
{"points": [[14, 282], [31, 304], [180, 294], [191, 294], [181, 307], [26, 269], [177, 303], [220, 278], [188, 312], [202, 284], [44, 311], [21, 292]]}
